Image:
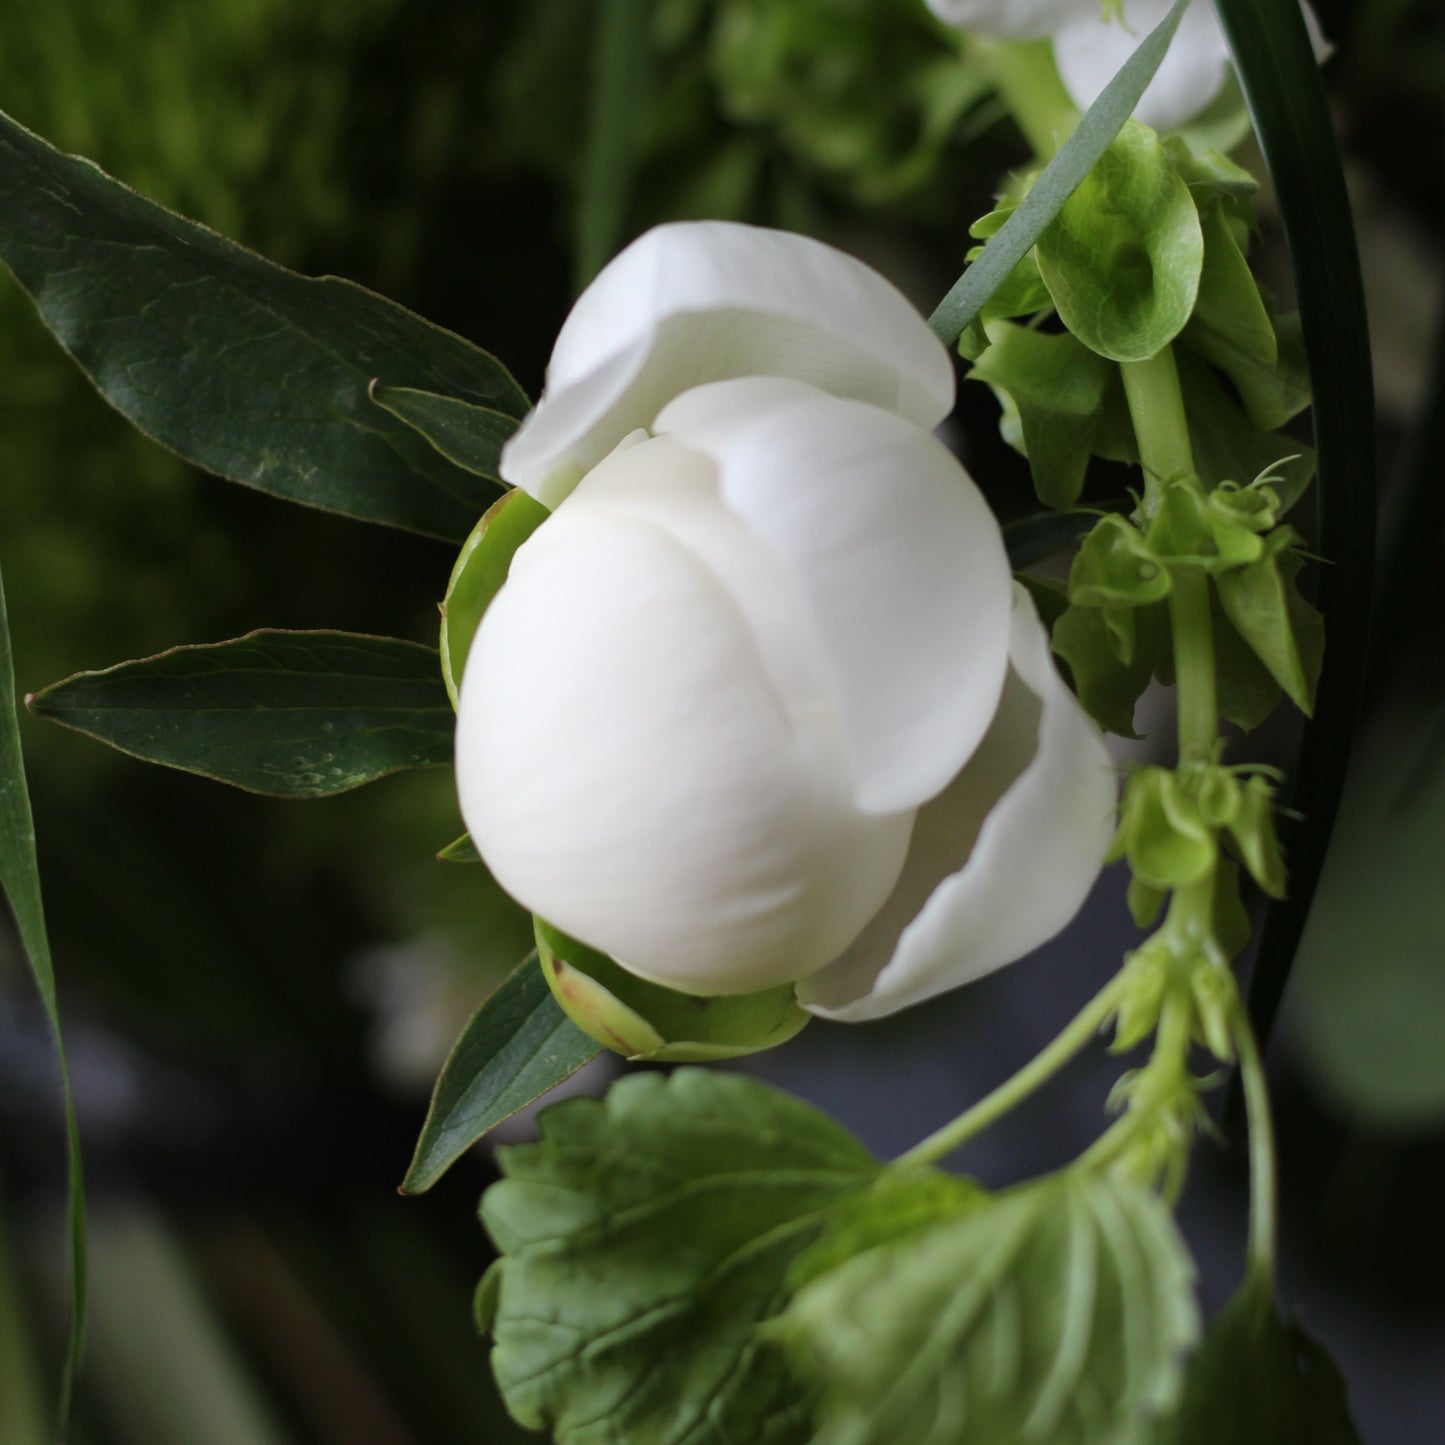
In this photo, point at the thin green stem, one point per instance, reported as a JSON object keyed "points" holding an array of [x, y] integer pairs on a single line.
{"points": [[1263, 1187], [1075, 1036], [1193, 628], [1028, 81], [1156, 408]]}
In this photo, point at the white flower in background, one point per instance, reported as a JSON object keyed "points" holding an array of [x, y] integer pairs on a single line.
{"points": [[1093, 38], [760, 702]]}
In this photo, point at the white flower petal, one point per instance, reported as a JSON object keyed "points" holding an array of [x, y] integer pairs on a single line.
{"points": [[1032, 829], [699, 301], [1011, 19], [900, 560], [1089, 53], [627, 771]]}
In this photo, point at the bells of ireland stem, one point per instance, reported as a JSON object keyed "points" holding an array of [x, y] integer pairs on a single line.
{"points": [[1093, 38]]}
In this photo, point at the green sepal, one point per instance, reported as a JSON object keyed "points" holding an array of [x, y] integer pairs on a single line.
{"points": [[478, 574], [1252, 832], [1161, 832], [1231, 918], [1141, 999], [1051, 389], [1122, 260], [1209, 173], [645, 1021], [1116, 567], [1107, 686], [1265, 607], [1187, 529], [460, 850], [1145, 901], [484, 1300], [1213, 997]]}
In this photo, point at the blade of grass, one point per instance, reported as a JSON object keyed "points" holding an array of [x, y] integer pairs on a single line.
{"points": [[619, 87], [1286, 97], [1056, 183], [20, 880]]}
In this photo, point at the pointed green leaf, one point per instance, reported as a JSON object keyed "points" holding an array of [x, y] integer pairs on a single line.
{"points": [[515, 1048], [1123, 258], [1058, 1312], [1051, 388], [472, 436], [478, 573], [1266, 609], [1088, 141], [20, 881], [1107, 687], [1259, 1381], [240, 366], [460, 850], [1247, 692], [644, 1239], [289, 714]]}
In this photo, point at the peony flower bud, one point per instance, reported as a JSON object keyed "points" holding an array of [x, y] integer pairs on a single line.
{"points": [[759, 703]]}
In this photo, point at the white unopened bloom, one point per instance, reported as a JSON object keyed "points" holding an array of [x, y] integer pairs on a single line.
{"points": [[1093, 38], [760, 703]]}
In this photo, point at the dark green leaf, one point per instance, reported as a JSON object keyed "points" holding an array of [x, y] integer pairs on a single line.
{"points": [[515, 1048], [1051, 388], [1058, 1312], [238, 365], [478, 573], [1089, 140], [1123, 258], [1259, 1381], [289, 714], [1281, 81], [20, 881], [644, 1238], [471, 436], [1247, 693]]}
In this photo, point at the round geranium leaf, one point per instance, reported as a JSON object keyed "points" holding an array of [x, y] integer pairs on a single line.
{"points": [[481, 568], [1123, 258], [643, 1020]]}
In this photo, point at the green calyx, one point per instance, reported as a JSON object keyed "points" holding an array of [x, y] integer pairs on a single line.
{"points": [[645, 1021], [477, 576]]}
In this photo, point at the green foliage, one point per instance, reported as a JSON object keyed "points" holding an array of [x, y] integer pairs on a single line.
{"points": [[968, 296], [644, 1239], [1052, 390], [646, 1021], [1259, 1381], [471, 436], [515, 1048], [1123, 259], [1061, 1312], [478, 573], [194, 339], [289, 714], [1161, 831], [1108, 684], [20, 882]]}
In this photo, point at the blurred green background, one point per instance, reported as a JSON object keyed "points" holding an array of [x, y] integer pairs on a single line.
{"points": [[258, 993]]}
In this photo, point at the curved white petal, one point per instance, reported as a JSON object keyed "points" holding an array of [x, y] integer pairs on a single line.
{"points": [[1090, 51], [1011, 19], [627, 771], [1032, 814], [698, 301], [894, 548]]}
